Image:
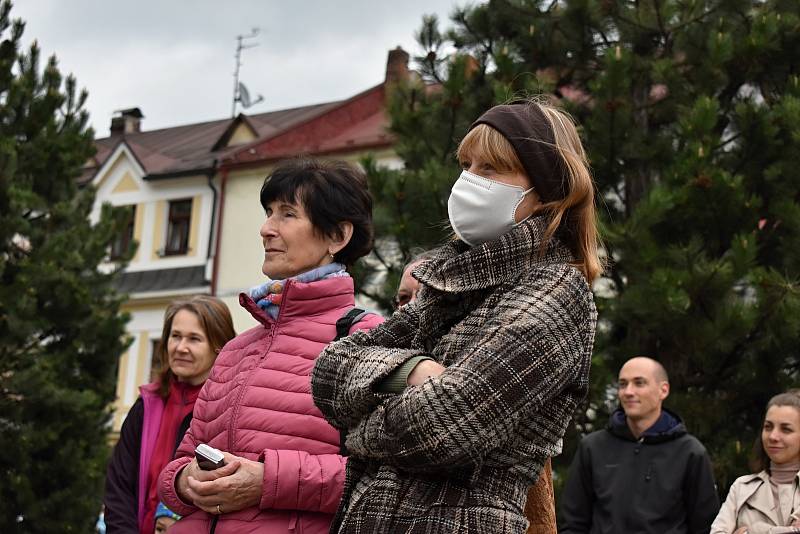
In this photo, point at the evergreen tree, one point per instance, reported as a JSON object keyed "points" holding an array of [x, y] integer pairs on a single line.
{"points": [[689, 111], [429, 115], [61, 332]]}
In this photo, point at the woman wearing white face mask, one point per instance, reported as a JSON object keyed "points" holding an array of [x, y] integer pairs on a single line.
{"points": [[455, 403]]}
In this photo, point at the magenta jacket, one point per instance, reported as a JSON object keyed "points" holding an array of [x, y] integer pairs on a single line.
{"points": [[126, 480], [153, 410], [257, 404]]}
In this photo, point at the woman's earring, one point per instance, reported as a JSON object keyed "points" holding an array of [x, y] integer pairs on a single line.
{"points": [[331, 255]]}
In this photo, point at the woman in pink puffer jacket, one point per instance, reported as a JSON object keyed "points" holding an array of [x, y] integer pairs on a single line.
{"points": [[283, 470]]}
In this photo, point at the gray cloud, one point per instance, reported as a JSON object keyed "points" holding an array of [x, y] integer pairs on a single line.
{"points": [[174, 59]]}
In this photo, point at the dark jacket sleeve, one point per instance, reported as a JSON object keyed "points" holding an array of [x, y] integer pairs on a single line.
{"points": [[122, 477], [182, 429], [700, 492], [346, 375], [577, 498]]}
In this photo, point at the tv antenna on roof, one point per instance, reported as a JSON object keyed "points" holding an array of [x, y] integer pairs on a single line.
{"points": [[240, 92]]}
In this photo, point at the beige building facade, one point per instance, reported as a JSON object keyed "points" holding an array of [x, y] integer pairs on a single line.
{"points": [[193, 191]]}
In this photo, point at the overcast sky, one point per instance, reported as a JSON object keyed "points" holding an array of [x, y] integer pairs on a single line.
{"points": [[174, 59]]}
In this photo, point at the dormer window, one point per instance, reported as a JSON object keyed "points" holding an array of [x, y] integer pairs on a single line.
{"points": [[180, 218]]}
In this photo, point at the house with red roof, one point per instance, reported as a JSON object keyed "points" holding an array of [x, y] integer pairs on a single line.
{"points": [[193, 193]]}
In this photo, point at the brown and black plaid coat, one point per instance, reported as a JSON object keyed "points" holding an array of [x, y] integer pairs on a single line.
{"points": [[458, 453]]}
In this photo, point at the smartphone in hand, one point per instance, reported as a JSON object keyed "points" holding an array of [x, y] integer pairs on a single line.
{"points": [[208, 458]]}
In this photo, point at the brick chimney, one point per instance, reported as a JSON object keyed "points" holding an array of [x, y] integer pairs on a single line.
{"points": [[397, 65], [126, 121]]}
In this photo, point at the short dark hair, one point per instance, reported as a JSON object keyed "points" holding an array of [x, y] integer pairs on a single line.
{"points": [[331, 192], [759, 460]]}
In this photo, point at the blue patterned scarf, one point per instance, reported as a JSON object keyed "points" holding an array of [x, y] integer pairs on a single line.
{"points": [[269, 294]]}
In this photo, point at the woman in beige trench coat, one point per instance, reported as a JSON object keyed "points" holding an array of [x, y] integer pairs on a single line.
{"points": [[768, 502]]}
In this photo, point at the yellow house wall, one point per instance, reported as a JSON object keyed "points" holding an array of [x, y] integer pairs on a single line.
{"points": [[151, 202], [241, 135], [159, 228], [120, 407], [126, 185], [143, 360], [242, 320], [241, 252], [134, 365], [138, 226], [194, 228], [121, 160]]}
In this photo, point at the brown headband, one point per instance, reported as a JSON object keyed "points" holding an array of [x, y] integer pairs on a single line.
{"points": [[525, 126]]}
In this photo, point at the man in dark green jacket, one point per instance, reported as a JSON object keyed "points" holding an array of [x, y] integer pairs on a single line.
{"points": [[644, 473]]}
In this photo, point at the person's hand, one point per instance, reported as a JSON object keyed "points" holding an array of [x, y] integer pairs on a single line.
{"points": [[193, 470], [740, 530], [423, 370], [795, 523], [236, 485]]}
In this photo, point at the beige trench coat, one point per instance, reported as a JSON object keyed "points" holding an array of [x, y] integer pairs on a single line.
{"points": [[750, 503]]}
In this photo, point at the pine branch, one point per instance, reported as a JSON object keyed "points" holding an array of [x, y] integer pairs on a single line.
{"points": [[697, 18], [737, 352], [446, 154], [614, 271], [664, 34], [726, 142], [380, 258]]}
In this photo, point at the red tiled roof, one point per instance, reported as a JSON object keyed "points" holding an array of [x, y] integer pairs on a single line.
{"points": [[358, 122], [348, 125], [183, 149]]}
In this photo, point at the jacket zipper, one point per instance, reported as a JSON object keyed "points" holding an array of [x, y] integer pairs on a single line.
{"points": [[243, 387]]}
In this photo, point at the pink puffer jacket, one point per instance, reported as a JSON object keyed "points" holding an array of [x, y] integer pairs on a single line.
{"points": [[257, 404]]}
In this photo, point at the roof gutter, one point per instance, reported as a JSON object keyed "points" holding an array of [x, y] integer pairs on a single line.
{"points": [[210, 176], [215, 264]]}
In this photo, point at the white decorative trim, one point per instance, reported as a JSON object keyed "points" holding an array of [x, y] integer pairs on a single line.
{"points": [[129, 391], [199, 290], [112, 159]]}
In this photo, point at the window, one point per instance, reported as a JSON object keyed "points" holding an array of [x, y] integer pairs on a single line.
{"points": [[121, 244], [180, 216]]}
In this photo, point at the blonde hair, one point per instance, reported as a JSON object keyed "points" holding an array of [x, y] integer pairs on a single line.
{"points": [[575, 213]]}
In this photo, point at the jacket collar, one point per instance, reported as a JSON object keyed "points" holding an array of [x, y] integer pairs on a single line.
{"points": [[669, 426], [150, 390], [304, 299], [457, 267], [757, 493]]}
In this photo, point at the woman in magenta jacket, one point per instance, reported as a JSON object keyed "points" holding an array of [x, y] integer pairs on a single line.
{"points": [[194, 332], [283, 470]]}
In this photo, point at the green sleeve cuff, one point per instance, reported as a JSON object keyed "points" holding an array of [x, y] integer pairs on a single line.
{"points": [[397, 380]]}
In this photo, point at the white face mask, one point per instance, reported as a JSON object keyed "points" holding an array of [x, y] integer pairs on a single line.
{"points": [[481, 209]]}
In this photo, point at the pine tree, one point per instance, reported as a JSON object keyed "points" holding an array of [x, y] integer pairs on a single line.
{"points": [[61, 332], [429, 115], [689, 111]]}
